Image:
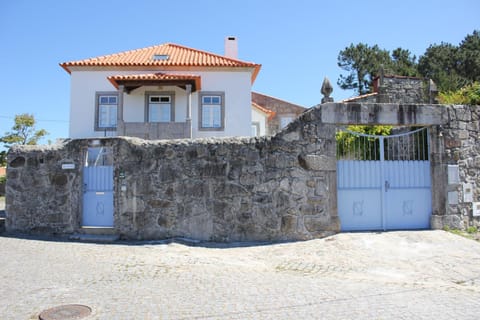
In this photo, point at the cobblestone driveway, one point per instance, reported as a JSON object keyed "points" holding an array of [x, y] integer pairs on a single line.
{"points": [[394, 275]]}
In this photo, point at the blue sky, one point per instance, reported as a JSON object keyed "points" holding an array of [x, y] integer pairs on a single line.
{"points": [[297, 42]]}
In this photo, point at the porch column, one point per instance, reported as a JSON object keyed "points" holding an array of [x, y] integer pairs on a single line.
{"points": [[188, 120], [120, 123]]}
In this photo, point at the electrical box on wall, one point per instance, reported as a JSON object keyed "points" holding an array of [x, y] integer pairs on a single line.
{"points": [[453, 197], [476, 209], [453, 174], [467, 192]]}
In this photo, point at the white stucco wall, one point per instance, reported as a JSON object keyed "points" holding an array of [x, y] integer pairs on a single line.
{"points": [[261, 118], [234, 84]]}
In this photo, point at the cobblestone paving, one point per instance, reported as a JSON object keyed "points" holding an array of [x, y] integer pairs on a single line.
{"points": [[395, 275]]}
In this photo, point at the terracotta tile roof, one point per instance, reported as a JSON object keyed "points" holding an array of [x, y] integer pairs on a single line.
{"points": [[165, 55], [268, 112], [353, 99], [195, 80]]}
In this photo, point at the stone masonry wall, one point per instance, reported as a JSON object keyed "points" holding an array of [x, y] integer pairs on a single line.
{"points": [[403, 90], [40, 196], [277, 188], [461, 140], [238, 189]]}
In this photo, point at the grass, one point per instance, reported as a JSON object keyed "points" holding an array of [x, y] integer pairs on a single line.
{"points": [[472, 233]]}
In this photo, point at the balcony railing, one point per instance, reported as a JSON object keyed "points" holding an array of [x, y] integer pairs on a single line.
{"points": [[156, 130]]}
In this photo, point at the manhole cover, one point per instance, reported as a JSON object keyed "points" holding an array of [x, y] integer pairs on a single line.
{"points": [[66, 312]]}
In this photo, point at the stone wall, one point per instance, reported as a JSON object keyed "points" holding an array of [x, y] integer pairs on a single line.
{"points": [[399, 89], [238, 189], [460, 137], [41, 197], [276, 188]]}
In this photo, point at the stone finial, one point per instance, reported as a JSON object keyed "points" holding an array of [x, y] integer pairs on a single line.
{"points": [[326, 90], [432, 92]]}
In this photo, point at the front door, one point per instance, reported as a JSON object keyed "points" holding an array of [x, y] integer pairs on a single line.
{"points": [[383, 182], [98, 188]]}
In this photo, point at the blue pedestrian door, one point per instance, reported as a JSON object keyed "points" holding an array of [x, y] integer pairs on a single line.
{"points": [[98, 188], [383, 182]]}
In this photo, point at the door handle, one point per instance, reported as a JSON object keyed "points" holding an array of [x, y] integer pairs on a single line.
{"points": [[387, 185]]}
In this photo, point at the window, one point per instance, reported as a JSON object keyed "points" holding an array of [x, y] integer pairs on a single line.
{"points": [[160, 108], [106, 111], [159, 57], [255, 129], [212, 111], [285, 120]]}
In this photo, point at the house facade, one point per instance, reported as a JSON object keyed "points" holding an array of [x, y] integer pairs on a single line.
{"points": [[279, 113], [166, 91]]}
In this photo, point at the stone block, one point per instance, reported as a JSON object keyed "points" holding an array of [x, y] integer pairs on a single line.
{"points": [[288, 224], [318, 162], [317, 223]]}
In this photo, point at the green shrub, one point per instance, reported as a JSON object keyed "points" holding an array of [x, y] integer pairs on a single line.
{"points": [[469, 94], [472, 230]]}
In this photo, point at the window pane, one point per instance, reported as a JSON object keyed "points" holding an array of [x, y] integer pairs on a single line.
{"points": [[159, 112], [103, 99], [113, 116], [216, 100], [105, 114], [112, 100], [207, 100], [211, 116], [102, 116], [165, 99], [165, 112], [216, 115], [205, 117], [254, 130], [154, 99]]}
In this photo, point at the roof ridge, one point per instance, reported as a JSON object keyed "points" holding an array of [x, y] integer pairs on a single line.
{"points": [[121, 53], [276, 98], [178, 56], [210, 53]]}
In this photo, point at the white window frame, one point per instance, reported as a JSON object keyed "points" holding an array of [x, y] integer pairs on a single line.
{"points": [[160, 94], [256, 129], [167, 102], [110, 106], [211, 101]]}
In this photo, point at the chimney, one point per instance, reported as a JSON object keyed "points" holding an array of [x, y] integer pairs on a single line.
{"points": [[231, 47]]}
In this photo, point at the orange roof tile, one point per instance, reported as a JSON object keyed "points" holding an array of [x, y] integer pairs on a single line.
{"points": [[169, 55], [157, 77], [352, 99], [268, 112]]}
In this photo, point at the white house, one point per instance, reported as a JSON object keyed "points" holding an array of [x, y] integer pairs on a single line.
{"points": [[164, 92]]}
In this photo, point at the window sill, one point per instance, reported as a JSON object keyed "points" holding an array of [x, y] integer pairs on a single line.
{"points": [[211, 129]]}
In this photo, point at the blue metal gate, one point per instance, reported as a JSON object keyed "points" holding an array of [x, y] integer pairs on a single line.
{"points": [[383, 181], [98, 188]]}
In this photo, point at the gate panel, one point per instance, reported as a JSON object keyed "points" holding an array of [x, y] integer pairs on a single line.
{"points": [[383, 181], [98, 188], [359, 189], [408, 195]]}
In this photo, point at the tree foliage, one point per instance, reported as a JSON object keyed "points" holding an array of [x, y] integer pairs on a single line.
{"points": [[404, 63], [364, 63], [23, 131], [348, 143], [3, 158], [470, 94], [450, 67]]}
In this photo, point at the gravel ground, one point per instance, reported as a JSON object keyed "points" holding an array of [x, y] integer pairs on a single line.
{"points": [[392, 275]]}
